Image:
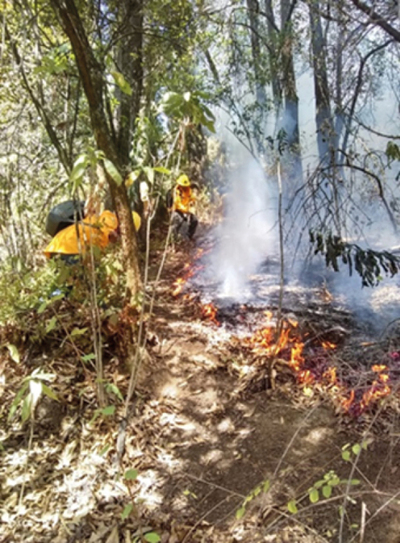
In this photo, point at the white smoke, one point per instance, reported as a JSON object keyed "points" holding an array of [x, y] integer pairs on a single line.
{"points": [[246, 235]]}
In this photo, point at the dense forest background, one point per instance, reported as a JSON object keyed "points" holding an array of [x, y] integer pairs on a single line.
{"points": [[289, 111]]}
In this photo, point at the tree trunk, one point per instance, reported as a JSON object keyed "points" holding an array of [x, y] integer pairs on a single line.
{"points": [[253, 12], [130, 63], [273, 57], [323, 118], [92, 79], [290, 121]]}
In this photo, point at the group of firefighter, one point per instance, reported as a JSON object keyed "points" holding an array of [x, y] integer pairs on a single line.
{"points": [[76, 226]]}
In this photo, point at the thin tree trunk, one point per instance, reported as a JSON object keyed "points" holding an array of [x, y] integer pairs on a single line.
{"points": [[323, 118], [273, 56], [253, 12]]}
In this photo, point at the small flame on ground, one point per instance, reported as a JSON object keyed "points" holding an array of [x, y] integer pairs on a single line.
{"points": [[209, 311], [328, 345]]}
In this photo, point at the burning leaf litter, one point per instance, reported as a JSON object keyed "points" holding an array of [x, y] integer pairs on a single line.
{"points": [[312, 367]]}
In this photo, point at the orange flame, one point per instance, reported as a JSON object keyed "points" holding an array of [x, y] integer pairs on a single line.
{"points": [[328, 345], [209, 311], [265, 344]]}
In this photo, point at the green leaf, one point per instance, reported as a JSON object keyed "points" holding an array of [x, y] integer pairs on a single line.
{"points": [[356, 449], [346, 455], [127, 511], [112, 171], [257, 491], [161, 169], [42, 307], [292, 507], [266, 485], [327, 491], [49, 392], [115, 390], [131, 474], [355, 482], [314, 495], [26, 407], [152, 537], [122, 83], [87, 357], [334, 481], [320, 483], [240, 513], [51, 325], [78, 331], [17, 399], [13, 352], [109, 410]]}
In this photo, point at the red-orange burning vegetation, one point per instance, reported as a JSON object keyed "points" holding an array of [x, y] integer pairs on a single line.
{"points": [[316, 370], [209, 312], [313, 368], [189, 270]]}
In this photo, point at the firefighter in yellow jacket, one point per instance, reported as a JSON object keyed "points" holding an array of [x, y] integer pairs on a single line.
{"points": [[93, 230], [181, 201]]}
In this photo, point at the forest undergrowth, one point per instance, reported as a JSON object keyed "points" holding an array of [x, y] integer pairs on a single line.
{"points": [[213, 451]]}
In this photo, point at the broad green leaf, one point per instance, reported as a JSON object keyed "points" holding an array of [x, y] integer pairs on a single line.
{"points": [[122, 83], [77, 174], [327, 491], [131, 474], [49, 392], [112, 171], [334, 481], [346, 455], [314, 495], [356, 449], [355, 482], [320, 483], [51, 325], [12, 349], [152, 537], [240, 513], [109, 410], [292, 507], [127, 511]]}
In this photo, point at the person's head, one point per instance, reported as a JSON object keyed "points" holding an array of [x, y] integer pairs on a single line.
{"points": [[183, 181]]}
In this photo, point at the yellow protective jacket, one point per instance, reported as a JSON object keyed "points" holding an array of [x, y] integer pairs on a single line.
{"points": [[93, 230], [184, 200]]}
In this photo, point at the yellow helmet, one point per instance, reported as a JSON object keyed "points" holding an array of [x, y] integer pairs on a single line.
{"points": [[183, 181], [136, 220]]}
